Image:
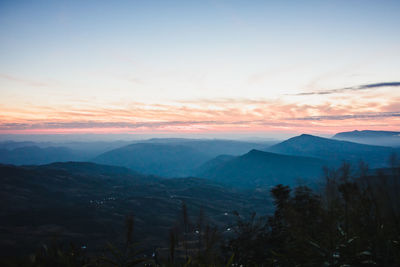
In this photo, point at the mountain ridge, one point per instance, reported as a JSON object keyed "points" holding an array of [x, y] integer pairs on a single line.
{"points": [[260, 168], [334, 150], [370, 137], [158, 159]]}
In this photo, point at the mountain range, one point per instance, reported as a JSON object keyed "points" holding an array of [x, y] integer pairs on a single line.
{"points": [[334, 151], [383, 138], [86, 202], [172, 157], [168, 160], [36, 155]]}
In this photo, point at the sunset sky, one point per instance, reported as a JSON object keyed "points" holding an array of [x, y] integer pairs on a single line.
{"points": [[260, 68]]}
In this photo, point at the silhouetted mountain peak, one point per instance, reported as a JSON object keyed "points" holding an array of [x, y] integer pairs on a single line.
{"points": [[333, 150], [306, 136], [312, 140], [254, 152]]}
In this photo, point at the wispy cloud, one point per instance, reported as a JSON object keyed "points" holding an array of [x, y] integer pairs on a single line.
{"points": [[204, 115], [25, 81], [142, 125], [352, 88], [350, 116]]}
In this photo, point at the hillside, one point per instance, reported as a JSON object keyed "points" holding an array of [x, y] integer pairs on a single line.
{"points": [[258, 168], [211, 164], [158, 159], [26, 155], [86, 203], [334, 151], [214, 147]]}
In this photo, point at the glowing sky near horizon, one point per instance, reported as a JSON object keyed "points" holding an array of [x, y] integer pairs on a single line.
{"points": [[199, 66]]}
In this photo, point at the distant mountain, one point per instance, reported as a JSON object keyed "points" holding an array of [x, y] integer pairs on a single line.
{"points": [[259, 168], [27, 152], [214, 147], [86, 204], [334, 151], [383, 138], [167, 160], [213, 163], [84, 150], [366, 134], [13, 145], [27, 155]]}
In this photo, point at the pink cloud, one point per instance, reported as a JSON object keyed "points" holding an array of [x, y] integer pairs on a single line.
{"points": [[218, 115]]}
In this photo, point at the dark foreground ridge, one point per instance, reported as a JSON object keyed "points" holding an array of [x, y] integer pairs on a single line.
{"points": [[115, 217], [86, 204]]}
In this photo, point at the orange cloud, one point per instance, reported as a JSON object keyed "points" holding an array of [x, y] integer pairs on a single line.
{"points": [[218, 115]]}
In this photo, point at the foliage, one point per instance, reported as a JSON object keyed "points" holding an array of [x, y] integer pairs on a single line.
{"points": [[353, 220]]}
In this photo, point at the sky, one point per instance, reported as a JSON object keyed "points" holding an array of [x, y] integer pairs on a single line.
{"points": [[251, 68]]}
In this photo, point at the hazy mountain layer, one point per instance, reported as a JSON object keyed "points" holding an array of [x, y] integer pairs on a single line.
{"points": [[334, 151], [382, 138], [213, 148], [35, 155], [213, 163], [258, 168], [24, 153], [84, 150], [159, 159]]}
